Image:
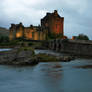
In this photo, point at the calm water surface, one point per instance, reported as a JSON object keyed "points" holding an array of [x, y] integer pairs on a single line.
{"points": [[5, 49], [47, 77]]}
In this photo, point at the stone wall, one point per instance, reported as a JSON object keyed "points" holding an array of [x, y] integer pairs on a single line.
{"points": [[29, 33], [81, 48]]}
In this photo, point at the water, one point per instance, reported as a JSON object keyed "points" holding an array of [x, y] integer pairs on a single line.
{"points": [[47, 77], [5, 49], [49, 52]]}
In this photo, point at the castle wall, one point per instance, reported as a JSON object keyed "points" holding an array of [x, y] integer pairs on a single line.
{"points": [[12, 34], [43, 36], [19, 32], [57, 26], [28, 33], [36, 36]]}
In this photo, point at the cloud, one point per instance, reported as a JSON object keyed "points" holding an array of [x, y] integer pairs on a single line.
{"points": [[77, 13]]}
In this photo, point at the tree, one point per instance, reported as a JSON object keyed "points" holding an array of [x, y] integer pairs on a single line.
{"points": [[82, 37]]}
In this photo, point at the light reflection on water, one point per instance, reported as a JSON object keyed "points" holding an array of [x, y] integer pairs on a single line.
{"points": [[47, 77]]}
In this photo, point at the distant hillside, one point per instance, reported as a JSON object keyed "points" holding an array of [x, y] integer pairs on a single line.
{"points": [[4, 31]]}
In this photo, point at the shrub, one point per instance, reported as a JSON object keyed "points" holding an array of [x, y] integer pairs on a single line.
{"points": [[4, 39], [82, 37]]}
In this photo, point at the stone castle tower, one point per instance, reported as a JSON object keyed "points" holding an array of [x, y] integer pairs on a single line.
{"points": [[53, 22]]}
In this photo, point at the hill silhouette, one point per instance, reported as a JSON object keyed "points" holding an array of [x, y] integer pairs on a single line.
{"points": [[4, 31]]}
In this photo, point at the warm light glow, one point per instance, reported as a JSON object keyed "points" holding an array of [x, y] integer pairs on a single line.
{"points": [[18, 35], [29, 36], [36, 37]]}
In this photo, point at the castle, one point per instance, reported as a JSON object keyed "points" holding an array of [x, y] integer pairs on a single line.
{"points": [[28, 33], [51, 23]]}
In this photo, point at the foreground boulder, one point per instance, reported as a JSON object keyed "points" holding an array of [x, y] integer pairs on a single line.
{"points": [[19, 56]]}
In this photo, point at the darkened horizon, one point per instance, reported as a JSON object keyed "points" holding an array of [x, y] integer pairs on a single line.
{"points": [[77, 15]]}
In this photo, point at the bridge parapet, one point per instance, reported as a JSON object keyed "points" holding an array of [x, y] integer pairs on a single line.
{"points": [[71, 46]]}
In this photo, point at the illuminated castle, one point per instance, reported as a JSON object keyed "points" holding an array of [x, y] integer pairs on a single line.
{"points": [[28, 33], [51, 23]]}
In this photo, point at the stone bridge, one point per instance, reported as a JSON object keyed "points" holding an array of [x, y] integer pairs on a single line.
{"points": [[75, 47]]}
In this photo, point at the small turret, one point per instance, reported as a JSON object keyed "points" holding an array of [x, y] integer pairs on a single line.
{"points": [[55, 12]]}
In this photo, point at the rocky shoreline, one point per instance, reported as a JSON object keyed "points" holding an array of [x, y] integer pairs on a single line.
{"points": [[18, 56], [26, 56]]}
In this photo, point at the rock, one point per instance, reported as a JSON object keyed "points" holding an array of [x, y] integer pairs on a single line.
{"points": [[68, 58], [26, 61], [19, 56], [26, 56], [84, 67], [53, 58]]}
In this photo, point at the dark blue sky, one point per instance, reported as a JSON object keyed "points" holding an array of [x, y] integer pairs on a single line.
{"points": [[77, 13]]}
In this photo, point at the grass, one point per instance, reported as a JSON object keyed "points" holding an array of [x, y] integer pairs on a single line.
{"points": [[36, 44], [47, 58], [26, 49]]}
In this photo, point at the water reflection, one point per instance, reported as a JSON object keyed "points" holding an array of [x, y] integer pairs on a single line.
{"points": [[52, 77], [47, 77], [52, 69]]}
